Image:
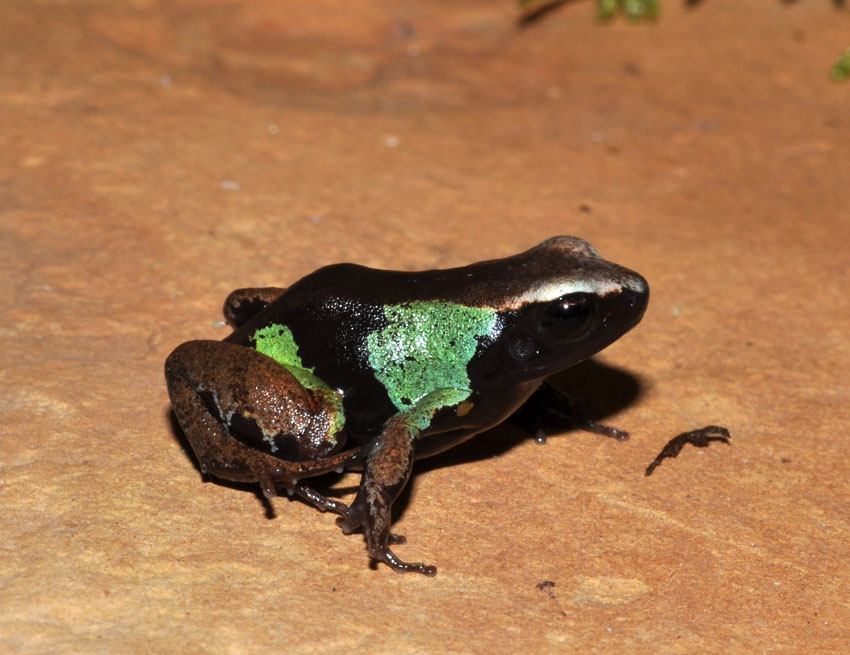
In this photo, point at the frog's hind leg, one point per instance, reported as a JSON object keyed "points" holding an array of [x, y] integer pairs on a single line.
{"points": [[232, 402], [386, 473], [244, 304]]}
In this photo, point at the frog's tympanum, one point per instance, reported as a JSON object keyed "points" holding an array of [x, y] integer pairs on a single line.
{"points": [[353, 367]]}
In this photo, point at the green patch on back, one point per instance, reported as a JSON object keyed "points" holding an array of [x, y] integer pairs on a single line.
{"points": [[276, 341], [425, 349]]}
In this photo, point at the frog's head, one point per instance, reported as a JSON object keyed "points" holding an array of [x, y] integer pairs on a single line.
{"points": [[572, 304]]}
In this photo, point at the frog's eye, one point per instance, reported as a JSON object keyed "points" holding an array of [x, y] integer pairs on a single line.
{"points": [[569, 317]]}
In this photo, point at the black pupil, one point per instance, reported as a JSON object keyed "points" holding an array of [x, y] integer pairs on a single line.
{"points": [[569, 317]]}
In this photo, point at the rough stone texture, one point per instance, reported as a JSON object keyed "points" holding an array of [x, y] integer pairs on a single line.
{"points": [[156, 154]]}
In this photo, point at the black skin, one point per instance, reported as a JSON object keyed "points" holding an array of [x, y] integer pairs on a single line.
{"points": [[248, 419]]}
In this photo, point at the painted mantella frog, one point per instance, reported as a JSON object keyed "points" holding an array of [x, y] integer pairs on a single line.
{"points": [[353, 367]]}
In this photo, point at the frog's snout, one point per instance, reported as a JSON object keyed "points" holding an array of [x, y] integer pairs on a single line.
{"points": [[635, 296]]}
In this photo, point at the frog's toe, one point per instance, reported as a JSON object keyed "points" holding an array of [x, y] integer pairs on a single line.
{"points": [[266, 482], [350, 521], [317, 500], [389, 558]]}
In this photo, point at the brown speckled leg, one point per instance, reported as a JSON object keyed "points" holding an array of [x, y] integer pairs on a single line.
{"points": [[244, 304], [211, 381], [387, 471]]}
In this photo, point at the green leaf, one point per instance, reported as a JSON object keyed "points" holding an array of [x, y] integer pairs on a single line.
{"points": [[841, 68]]}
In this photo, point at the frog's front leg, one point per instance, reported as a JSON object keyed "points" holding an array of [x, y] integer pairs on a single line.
{"points": [[548, 405], [244, 304], [248, 418]]}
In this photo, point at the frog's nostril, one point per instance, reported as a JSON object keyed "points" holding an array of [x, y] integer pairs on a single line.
{"points": [[635, 300]]}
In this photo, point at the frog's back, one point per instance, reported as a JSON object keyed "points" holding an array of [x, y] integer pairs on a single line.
{"points": [[548, 269]]}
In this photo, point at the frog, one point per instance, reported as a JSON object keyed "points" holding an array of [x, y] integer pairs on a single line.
{"points": [[363, 369]]}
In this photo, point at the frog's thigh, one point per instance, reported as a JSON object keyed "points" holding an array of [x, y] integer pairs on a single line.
{"points": [[211, 382], [244, 304]]}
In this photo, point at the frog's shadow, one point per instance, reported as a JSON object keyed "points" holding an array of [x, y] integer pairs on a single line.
{"points": [[596, 391], [600, 390]]}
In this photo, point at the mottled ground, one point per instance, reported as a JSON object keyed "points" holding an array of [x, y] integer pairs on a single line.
{"points": [[156, 154]]}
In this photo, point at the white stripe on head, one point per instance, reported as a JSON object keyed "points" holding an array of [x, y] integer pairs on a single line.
{"points": [[554, 289]]}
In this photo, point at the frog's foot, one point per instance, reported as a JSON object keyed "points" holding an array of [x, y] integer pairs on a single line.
{"points": [[378, 546], [548, 406], [243, 304], [273, 473], [699, 438]]}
